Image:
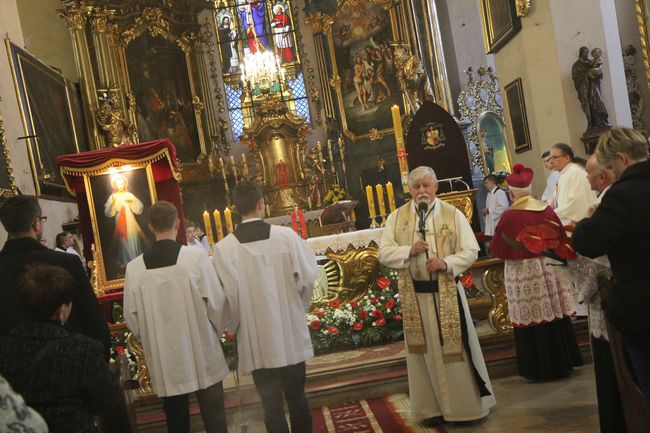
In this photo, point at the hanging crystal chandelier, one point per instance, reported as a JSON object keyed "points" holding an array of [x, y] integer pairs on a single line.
{"points": [[262, 73]]}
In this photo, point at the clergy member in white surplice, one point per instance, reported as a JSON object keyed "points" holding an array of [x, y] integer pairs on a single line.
{"points": [[175, 304], [274, 274], [496, 204], [446, 371]]}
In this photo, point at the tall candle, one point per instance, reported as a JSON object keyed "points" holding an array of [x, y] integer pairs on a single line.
{"points": [[371, 201], [391, 196], [228, 215], [218, 225], [234, 167], [208, 227], [309, 203], [244, 165], [320, 152], [397, 126], [303, 225], [399, 143], [331, 155], [380, 199]]}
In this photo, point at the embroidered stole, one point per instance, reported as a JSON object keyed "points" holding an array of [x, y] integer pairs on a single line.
{"points": [[447, 243]]}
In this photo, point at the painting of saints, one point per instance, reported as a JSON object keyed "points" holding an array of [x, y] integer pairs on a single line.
{"points": [[228, 42], [282, 36], [252, 19]]}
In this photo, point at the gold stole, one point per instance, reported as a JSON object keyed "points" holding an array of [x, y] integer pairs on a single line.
{"points": [[447, 243]]}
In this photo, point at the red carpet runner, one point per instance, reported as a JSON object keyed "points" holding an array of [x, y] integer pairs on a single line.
{"points": [[364, 416]]}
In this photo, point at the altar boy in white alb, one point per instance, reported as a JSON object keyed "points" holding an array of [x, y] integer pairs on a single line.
{"points": [[274, 274], [446, 371], [175, 304]]}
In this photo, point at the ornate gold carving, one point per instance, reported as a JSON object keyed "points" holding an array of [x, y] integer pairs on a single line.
{"points": [[320, 22], [117, 130], [100, 19], [76, 15], [151, 20], [142, 375], [197, 104], [641, 18], [494, 282], [375, 135], [186, 42], [94, 279], [335, 81], [413, 80], [12, 190], [523, 7], [462, 200]]}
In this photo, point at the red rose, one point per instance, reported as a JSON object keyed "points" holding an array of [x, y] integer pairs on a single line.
{"points": [[335, 304], [363, 314], [467, 281], [377, 314], [114, 334], [229, 336], [358, 326], [315, 324], [380, 322], [352, 304], [320, 314], [397, 317], [333, 330], [119, 350], [390, 304], [383, 282], [374, 300]]}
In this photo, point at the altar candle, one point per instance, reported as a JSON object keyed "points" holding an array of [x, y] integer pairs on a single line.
{"points": [[320, 151], [371, 201], [228, 215], [244, 165], [380, 199], [294, 221], [303, 225], [309, 203], [341, 148], [218, 225], [208, 227], [331, 155], [397, 126], [391, 196], [234, 167]]}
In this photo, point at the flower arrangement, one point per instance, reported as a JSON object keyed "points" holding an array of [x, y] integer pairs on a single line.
{"points": [[375, 319], [120, 350], [547, 239], [334, 195], [229, 347]]}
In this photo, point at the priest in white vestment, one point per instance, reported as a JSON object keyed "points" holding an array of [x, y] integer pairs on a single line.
{"points": [[274, 274], [496, 204], [175, 304], [551, 180], [446, 371]]}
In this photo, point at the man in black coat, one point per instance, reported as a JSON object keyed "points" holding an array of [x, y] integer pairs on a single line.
{"points": [[22, 218], [619, 229]]}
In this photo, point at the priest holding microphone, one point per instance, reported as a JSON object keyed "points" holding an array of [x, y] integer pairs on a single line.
{"points": [[430, 243]]}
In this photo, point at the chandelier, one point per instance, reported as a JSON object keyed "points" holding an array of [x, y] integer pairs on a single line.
{"points": [[262, 73]]}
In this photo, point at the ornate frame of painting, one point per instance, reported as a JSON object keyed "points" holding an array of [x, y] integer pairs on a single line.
{"points": [[642, 8], [501, 21], [104, 282], [330, 71], [8, 186], [480, 100], [47, 180], [518, 117]]}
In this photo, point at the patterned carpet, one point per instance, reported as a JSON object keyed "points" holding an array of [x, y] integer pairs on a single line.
{"points": [[380, 415]]}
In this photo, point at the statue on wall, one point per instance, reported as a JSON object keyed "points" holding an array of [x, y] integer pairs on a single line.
{"points": [[587, 75], [412, 77], [117, 130]]}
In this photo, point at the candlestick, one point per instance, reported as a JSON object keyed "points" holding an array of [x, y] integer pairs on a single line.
{"points": [[331, 155], [391, 196], [244, 166], [218, 225], [399, 143], [228, 215], [309, 203], [208, 227], [303, 225], [371, 201], [380, 199], [234, 167]]}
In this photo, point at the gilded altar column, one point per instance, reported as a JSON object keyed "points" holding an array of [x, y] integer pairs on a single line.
{"points": [[76, 15]]}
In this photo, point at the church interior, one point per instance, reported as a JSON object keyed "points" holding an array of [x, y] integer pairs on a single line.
{"points": [[328, 105]]}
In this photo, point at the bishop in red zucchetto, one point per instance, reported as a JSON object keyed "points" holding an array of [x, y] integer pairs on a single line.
{"points": [[531, 239]]}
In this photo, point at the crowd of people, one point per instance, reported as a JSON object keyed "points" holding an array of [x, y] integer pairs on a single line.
{"points": [[584, 244]]}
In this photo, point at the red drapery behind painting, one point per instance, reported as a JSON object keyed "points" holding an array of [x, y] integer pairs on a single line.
{"points": [[163, 169]]}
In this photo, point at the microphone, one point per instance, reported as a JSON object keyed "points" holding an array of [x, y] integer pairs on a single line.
{"points": [[422, 211]]}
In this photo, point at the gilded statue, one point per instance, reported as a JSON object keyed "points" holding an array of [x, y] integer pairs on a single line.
{"points": [[412, 78], [587, 75], [117, 130]]}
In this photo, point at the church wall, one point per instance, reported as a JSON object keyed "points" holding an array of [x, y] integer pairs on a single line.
{"points": [[57, 212]]}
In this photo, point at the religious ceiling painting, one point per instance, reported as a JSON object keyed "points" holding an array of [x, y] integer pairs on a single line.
{"points": [[48, 120], [7, 181], [118, 200], [358, 58], [161, 85]]}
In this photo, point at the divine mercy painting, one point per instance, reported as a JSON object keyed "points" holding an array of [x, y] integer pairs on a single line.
{"points": [[366, 66]]}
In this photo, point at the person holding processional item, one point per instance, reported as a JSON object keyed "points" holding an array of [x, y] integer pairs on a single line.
{"points": [[539, 292], [175, 304], [431, 242], [273, 272]]}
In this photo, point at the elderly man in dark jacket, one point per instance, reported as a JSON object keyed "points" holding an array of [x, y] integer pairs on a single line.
{"points": [[619, 229], [22, 218]]}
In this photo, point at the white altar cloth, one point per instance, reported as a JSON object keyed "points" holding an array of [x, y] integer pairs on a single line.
{"points": [[340, 242]]}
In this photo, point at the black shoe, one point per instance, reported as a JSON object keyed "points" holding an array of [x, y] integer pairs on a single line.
{"points": [[433, 421]]}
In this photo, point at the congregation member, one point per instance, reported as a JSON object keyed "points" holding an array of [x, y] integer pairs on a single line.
{"points": [[22, 218], [274, 274], [538, 291], [573, 195], [61, 375], [618, 228], [175, 304], [430, 242], [15, 415], [551, 181], [495, 204], [610, 408]]}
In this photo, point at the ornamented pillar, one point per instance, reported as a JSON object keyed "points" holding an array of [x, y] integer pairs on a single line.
{"points": [[76, 14]]}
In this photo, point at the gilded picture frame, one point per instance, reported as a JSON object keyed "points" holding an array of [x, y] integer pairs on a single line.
{"points": [[518, 117], [500, 23], [8, 186], [118, 201], [44, 101]]}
